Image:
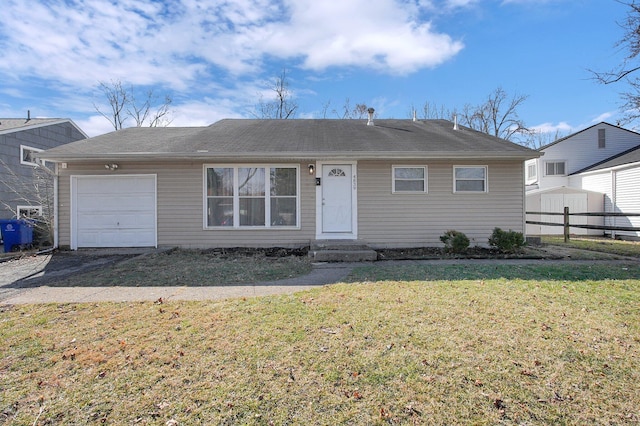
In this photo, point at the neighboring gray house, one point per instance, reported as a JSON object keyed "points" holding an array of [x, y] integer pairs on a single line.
{"points": [[288, 183], [20, 140], [593, 170]]}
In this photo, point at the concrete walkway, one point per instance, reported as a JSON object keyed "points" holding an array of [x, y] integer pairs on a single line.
{"points": [[31, 290]]}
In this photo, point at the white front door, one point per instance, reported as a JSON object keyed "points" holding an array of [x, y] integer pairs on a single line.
{"points": [[337, 192]]}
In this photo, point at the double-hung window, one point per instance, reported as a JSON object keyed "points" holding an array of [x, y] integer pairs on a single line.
{"points": [[409, 179], [251, 196], [555, 168], [470, 179]]}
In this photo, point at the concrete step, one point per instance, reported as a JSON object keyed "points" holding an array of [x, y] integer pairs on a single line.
{"points": [[341, 251]]}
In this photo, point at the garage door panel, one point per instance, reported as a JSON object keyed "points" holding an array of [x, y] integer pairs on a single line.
{"points": [[115, 211]]}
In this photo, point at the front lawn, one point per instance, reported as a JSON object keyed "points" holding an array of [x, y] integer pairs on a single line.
{"points": [[537, 347], [598, 244]]}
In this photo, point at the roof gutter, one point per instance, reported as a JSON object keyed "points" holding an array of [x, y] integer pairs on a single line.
{"points": [[148, 156]]}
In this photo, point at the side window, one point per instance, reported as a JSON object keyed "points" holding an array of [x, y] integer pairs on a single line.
{"points": [[470, 179], [29, 211], [531, 171], [27, 155], [602, 142], [555, 168], [409, 179]]}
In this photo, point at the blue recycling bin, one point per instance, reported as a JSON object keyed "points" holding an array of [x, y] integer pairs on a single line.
{"points": [[16, 232]]}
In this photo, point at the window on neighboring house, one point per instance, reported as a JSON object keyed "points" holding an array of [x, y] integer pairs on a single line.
{"points": [[409, 179], [532, 171], [555, 168], [470, 179], [29, 211], [602, 143], [27, 155], [263, 196]]}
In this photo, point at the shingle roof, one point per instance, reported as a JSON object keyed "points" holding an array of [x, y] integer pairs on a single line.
{"points": [[627, 157], [9, 125], [294, 139]]}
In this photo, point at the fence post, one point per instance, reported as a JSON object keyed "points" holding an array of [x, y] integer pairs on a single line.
{"points": [[566, 224]]}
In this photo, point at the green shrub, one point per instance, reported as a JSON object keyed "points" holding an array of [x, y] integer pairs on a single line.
{"points": [[455, 241], [507, 241]]}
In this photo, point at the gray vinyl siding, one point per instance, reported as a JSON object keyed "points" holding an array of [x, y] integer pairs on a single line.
{"points": [[411, 220], [180, 201], [16, 179]]}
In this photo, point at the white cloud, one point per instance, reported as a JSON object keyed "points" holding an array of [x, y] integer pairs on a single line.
{"points": [[561, 127], [86, 41], [603, 117]]}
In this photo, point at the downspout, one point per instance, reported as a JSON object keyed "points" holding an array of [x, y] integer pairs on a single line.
{"points": [[614, 201], [55, 208]]}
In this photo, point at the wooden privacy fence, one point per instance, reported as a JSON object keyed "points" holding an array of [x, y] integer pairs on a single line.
{"points": [[566, 223]]}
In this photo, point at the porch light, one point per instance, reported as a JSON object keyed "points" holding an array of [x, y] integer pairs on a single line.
{"points": [[312, 169]]}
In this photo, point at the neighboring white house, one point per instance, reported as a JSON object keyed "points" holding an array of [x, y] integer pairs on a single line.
{"points": [[618, 178], [580, 171]]}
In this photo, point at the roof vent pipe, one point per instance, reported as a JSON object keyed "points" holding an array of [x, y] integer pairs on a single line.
{"points": [[415, 118], [28, 114], [455, 122], [370, 111]]}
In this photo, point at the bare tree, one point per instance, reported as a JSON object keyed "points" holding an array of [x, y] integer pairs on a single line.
{"points": [[434, 111], [625, 72], [124, 105], [34, 189], [282, 106], [497, 116], [537, 138], [630, 42], [357, 112]]}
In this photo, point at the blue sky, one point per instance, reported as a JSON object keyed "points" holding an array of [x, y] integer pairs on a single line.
{"points": [[215, 57]]}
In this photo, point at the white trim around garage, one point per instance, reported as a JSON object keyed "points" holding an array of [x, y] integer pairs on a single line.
{"points": [[113, 211]]}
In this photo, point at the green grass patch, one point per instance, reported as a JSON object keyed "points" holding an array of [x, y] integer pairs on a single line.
{"points": [[607, 245], [471, 271], [488, 349]]}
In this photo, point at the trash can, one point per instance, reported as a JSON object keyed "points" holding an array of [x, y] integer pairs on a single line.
{"points": [[16, 232]]}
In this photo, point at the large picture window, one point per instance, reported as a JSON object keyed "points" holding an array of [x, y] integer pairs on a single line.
{"points": [[470, 179], [251, 196], [409, 179]]}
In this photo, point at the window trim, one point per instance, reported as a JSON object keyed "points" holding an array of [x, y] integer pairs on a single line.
{"points": [[30, 148], [236, 197], [470, 166], [555, 161], [425, 179], [531, 176]]}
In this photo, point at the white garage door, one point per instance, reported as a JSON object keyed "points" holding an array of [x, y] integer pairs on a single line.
{"points": [[113, 211]]}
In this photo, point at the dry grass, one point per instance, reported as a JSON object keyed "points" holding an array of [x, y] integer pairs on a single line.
{"points": [[193, 268], [474, 351]]}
